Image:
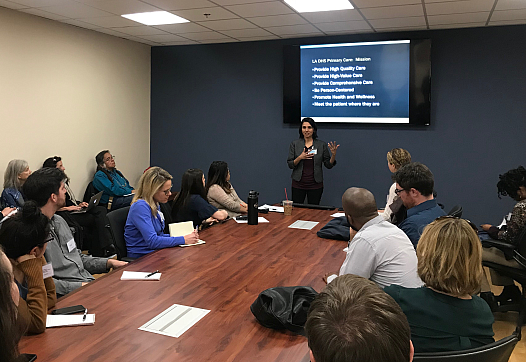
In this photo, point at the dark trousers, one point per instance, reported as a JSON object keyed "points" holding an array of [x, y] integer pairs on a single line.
{"points": [[313, 196], [95, 222]]}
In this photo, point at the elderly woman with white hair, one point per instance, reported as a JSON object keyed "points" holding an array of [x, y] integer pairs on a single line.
{"points": [[15, 175]]}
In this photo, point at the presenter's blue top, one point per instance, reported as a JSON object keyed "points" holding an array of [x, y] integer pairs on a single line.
{"points": [[118, 187], [143, 232], [197, 210], [419, 217]]}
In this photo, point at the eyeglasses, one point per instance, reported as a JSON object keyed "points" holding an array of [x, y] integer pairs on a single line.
{"points": [[446, 217], [397, 191], [168, 192], [109, 158]]}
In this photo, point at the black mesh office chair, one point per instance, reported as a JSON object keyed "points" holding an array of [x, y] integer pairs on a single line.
{"points": [[117, 220], [499, 351], [456, 211]]}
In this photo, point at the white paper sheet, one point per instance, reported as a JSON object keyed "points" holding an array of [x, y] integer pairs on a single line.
{"points": [[69, 320], [175, 320], [305, 225], [131, 275], [272, 208], [261, 219], [338, 214]]}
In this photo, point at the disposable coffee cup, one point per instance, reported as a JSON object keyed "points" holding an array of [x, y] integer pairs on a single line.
{"points": [[287, 207]]}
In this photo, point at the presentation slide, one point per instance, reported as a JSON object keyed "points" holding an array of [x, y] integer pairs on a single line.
{"points": [[356, 82]]}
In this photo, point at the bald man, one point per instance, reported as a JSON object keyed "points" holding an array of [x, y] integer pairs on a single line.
{"points": [[378, 250]]}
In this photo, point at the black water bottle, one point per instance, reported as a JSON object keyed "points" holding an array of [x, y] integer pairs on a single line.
{"points": [[253, 207]]}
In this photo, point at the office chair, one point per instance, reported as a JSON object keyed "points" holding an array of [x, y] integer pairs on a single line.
{"points": [[117, 220], [499, 351], [518, 250], [456, 211]]}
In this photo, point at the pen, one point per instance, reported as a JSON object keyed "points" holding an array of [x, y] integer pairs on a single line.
{"points": [[85, 314], [149, 275]]}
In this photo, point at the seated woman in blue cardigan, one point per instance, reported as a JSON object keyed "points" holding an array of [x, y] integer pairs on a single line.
{"points": [[144, 227]]}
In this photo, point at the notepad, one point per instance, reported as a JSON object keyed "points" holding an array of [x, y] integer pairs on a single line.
{"points": [[261, 219], [175, 320], [272, 208], [301, 224], [338, 214], [131, 275], [182, 229], [69, 320]]}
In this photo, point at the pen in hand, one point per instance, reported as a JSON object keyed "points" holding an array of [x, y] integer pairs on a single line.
{"points": [[149, 275], [85, 314]]}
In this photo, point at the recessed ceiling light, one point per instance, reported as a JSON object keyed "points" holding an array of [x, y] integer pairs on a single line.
{"points": [[309, 6], [156, 18]]}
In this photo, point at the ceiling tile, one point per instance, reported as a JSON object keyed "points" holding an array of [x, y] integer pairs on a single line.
{"points": [[231, 24], [510, 4], [341, 26], [507, 22], [186, 42], [43, 14], [109, 32], [216, 13], [470, 6], [302, 35], [11, 5], [402, 28], [246, 33], [402, 11], [398, 22], [237, 2], [456, 26], [40, 3], [453, 1], [293, 30], [345, 32], [212, 41], [260, 9], [205, 36], [80, 24], [120, 7], [179, 4], [508, 15], [256, 38], [278, 20], [328, 16], [161, 38], [75, 11], [362, 4], [458, 18], [182, 28], [110, 21], [139, 30]]}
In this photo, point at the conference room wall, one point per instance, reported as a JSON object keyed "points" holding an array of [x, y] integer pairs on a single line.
{"points": [[224, 102], [72, 92]]}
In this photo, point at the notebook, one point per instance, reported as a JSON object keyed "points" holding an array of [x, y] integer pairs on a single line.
{"points": [[182, 229], [70, 320], [131, 275]]}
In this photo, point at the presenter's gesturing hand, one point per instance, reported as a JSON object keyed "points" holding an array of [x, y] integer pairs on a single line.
{"points": [[304, 156], [333, 147]]}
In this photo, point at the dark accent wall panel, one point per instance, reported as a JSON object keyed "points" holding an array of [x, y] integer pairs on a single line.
{"points": [[224, 102]]}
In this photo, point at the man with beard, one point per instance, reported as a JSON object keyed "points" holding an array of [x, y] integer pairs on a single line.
{"points": [[72, 269]]}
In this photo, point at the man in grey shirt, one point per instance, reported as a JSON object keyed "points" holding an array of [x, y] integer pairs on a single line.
{"points": [[378, 250], [71, 268]]}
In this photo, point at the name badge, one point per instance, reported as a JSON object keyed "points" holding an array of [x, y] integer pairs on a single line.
{"points": [[71, 245], [47, 271], [314, 151]]}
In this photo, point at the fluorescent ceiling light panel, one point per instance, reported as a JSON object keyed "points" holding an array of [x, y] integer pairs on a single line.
{"points": [[310, 6], [156, 18]]}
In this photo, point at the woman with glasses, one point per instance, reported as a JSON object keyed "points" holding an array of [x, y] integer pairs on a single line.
{"points": [[396, 158], [24, 238], [144, 229], [190, 203], [117, 189], [221, 193], [444, 314]]}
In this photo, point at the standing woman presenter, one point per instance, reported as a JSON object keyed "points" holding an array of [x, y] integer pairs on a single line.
{"points": [[306, 156]]}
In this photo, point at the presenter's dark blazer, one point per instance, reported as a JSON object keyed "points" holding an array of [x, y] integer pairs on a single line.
{"points": [[322, 157]]}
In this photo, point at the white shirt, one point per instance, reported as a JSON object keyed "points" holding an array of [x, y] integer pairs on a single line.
{"points": [[383, 253]]}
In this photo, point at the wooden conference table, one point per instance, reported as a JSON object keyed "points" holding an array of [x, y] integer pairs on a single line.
{"points": [[225, 276]]}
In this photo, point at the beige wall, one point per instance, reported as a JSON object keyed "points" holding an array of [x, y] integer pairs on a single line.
{"points": [[72, 92]]}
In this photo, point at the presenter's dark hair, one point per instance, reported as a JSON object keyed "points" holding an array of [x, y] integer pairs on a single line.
{"points": [[9, 334], [25, 230], [217, 174], [314, 127], [353, 320], [415, 175], [52, 162], [42, 183], [511, 181], [191, 184]]}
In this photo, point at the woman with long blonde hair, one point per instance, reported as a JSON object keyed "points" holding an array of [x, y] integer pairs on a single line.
{"points": [[144, 229], [445, 314]]}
